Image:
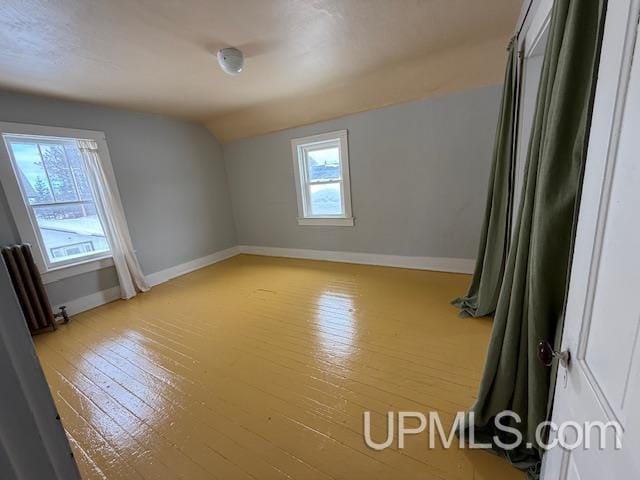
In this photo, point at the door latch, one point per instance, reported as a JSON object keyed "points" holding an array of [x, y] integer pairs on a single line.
{"points": [[546, 355]]}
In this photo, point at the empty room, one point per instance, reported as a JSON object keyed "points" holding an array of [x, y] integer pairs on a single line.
{"points": [[319, 239]]}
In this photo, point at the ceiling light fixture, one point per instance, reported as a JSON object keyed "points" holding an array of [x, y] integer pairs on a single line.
{"points": [[231, 60]]}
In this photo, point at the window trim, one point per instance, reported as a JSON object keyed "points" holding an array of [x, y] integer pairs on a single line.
{"points": [[21, 216], [35, 236], [298, 146]]}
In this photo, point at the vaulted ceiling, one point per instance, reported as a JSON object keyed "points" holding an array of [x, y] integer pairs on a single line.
{"points": [[307, 60]]}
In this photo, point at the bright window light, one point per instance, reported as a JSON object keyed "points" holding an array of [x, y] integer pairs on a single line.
{"points": [[321, 164], [56, 191]]}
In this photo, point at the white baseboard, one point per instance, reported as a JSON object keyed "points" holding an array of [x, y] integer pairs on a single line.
{"points": [[188, 267], [111, 294], [94, 300], [438, 264]]}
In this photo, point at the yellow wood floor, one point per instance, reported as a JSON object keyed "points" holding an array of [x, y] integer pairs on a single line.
{"points": [[261, 368]]}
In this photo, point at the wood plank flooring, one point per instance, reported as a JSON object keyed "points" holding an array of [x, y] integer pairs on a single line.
{"points": [[261, 368]]}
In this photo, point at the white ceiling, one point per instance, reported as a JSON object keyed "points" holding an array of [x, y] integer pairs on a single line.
{"points": [[308, 60]]}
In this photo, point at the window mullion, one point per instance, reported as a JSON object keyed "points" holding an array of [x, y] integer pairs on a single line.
{"points": [[325, 182], [62, 202]]}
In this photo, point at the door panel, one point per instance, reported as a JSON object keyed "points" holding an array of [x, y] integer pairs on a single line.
{"points": [[602, 326], [573, 473], [614, 316]]}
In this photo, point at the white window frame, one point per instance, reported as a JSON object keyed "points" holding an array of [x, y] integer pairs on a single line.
{"points": [[22, 217], [299, 146]]}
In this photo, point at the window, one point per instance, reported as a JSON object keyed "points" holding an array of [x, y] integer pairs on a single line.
{"points": [[321, 164], [51, 197]]}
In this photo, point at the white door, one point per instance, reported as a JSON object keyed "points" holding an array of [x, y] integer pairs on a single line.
{"points": [[33, 444], [602, 327]]}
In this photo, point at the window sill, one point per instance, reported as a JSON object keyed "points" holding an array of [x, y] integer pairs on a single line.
{"points": [[327, 221], [76, 269]]}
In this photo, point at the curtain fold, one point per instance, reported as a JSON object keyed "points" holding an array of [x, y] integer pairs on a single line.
{"points": [[130, 274], [531, 302], [482, 296]]}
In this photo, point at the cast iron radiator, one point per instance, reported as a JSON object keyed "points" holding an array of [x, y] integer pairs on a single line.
{"points": [[30, 290]]}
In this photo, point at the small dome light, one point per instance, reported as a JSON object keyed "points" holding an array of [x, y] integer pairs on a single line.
{"points": [[231, 60]]}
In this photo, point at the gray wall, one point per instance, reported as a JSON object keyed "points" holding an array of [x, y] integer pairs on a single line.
{"points": [[419, 175], [171, 178]]}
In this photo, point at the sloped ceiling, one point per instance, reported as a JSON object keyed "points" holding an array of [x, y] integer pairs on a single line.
{"points": [[308, 60]]}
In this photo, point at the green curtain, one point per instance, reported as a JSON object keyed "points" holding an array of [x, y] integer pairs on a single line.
{"points": [[531, 301], [482, 297]]}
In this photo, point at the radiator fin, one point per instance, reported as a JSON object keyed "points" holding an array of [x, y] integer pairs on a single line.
{"points": [[29, 288]]}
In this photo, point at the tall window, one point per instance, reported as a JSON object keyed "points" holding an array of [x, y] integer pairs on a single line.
{"points": [[321, 164], [56, 196]]}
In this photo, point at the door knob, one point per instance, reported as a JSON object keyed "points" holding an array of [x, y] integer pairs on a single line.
{"points": [[546, 354]]}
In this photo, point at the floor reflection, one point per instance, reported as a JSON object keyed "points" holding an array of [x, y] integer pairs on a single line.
{"points": [[114, 367], [336, 324], [261, 368]]}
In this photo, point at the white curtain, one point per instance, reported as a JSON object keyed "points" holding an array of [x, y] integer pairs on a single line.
{"points": [[129, 273]]}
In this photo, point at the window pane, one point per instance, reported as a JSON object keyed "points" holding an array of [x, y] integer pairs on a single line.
{"points": [[71, 230], [326, 199], [323, 164], [32, 175], [77, 168], [60, 177], [53, 178]]}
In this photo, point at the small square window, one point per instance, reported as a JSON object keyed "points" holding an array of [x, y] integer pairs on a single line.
{"points": [[321, 164]]}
